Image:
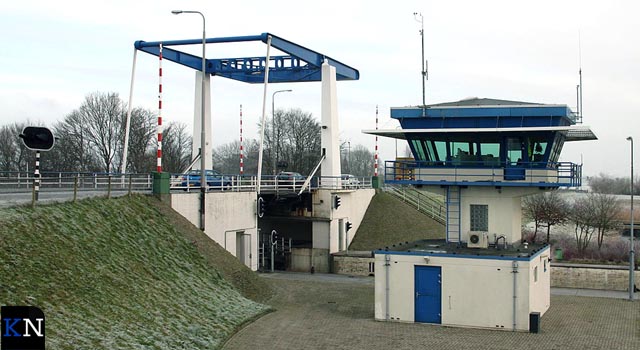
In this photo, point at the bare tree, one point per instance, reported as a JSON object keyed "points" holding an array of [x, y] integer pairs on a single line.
{"points": [[302, 140], [8, 149], [101, 115], [604, 183], [14, 155], [176, 148], [548, 208], [297, 141], [141, 157], [534, 209], [557, 211], [72, 151], [361, 161], [606, 209], [226, 158], [582, 216]]}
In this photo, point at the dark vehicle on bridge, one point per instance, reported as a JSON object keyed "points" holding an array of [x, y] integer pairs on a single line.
{"points": [[214, 179], [290, 179]]}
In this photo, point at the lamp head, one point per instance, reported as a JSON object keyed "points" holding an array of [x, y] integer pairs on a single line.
{"points": [[629, 138], [176, 12]]}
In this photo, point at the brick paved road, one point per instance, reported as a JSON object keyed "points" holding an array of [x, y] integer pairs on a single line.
{"points": [[326, 312]]}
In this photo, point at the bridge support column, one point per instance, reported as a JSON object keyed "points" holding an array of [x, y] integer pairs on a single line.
{"points": [[329, 135], [197, 128]]}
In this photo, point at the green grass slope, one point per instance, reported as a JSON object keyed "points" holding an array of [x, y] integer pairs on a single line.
{"points": [[388, 221], [117, 274]]}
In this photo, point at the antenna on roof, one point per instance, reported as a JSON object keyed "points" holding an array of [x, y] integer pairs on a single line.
{"points": [[425, 64], [579, 86]]}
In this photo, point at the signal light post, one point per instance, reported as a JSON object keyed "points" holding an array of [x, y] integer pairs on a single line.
{"points": [[37, 139]]}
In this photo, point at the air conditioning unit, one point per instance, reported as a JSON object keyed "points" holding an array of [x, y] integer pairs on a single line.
{"points": [[478, 239]]}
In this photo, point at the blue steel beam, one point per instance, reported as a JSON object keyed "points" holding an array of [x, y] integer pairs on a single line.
{"points": [[300, 65], [343, 72], [185, 59]]}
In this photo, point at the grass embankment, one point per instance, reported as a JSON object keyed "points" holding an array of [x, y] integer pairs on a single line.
{"points": [[388, 221], [118, 274]]}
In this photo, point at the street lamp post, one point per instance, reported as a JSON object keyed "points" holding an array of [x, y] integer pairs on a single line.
{"points": [[203, 134], [631, 233], [349, 156], [273, 132]]}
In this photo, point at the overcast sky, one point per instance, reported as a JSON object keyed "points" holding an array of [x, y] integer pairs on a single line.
{"points": [[54, 53]]}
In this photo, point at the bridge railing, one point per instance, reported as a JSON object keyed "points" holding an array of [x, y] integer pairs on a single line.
{"points": [[22, 180], [268, 183]]}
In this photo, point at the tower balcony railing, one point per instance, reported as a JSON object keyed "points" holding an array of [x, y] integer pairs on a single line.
{"points": [[476, 173]]}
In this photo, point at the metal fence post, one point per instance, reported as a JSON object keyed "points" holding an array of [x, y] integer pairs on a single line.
{"points": [[109, 186], [75, 189]]}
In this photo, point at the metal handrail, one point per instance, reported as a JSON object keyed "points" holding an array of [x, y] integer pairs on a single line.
{"points": [[558, 173], [428, 205]]}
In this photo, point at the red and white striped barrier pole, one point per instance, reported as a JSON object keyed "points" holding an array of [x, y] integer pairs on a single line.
{"points": [[375, 157], [241, 147], [159, 161]]}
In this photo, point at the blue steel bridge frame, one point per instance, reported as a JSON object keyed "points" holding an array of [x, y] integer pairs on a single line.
{"points": [[300, 64]]}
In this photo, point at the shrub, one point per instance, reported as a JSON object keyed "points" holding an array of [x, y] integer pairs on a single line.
{"points": [[614, 250]]}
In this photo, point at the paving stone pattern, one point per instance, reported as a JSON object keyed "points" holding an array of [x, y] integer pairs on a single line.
{"points": [[329, 312]]}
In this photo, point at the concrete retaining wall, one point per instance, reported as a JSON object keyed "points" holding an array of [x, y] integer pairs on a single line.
{"points": [[230, 215], [301, 260], [591, 276], [602, 277], [361, 265]]}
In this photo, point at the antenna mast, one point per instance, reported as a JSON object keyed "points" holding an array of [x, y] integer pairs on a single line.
{"points": [[579, 92], [424, 63]]}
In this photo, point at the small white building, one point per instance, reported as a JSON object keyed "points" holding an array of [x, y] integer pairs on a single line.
{"points": [[483, 156], [440, 283]]}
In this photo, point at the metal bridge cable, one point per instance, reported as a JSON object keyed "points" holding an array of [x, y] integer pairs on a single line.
{"points": [[263, 123], [123, 167]]}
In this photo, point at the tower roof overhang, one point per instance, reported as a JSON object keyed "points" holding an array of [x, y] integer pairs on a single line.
{"points": [[572, 132]]}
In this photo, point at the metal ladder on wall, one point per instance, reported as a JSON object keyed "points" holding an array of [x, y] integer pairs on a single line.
{"points": [[453, 213]]}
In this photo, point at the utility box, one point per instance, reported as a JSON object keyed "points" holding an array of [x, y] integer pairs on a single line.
{"points": [[161, 183], [534, 322], [375, 181]]}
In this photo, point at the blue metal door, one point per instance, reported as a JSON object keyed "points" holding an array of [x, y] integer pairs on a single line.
{"points": [[428, 294]]}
